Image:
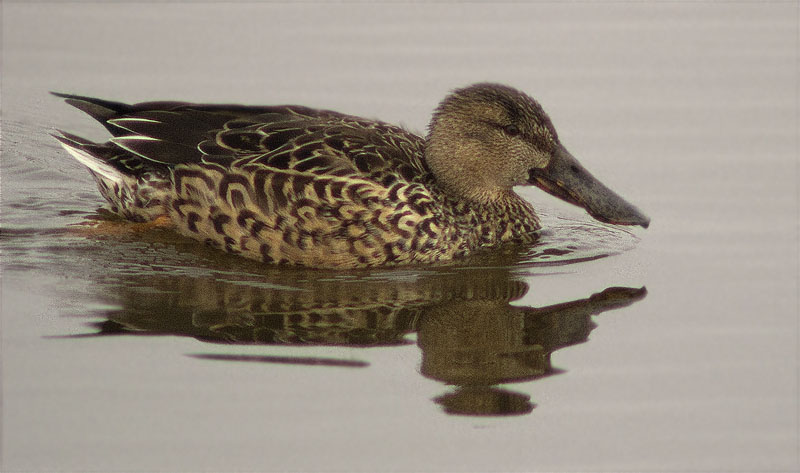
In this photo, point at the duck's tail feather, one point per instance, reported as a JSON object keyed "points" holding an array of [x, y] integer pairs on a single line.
{"points": [[133, 187], [95, 157]]}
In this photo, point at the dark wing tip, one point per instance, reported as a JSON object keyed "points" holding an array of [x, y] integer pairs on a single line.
{"points": [[99, 109], [69, 138]]}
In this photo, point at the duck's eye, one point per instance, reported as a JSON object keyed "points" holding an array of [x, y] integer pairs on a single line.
{"points": [[511, 130]]}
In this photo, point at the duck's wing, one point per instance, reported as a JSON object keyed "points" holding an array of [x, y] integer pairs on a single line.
{"points": [[281, 137], [325, 146]]}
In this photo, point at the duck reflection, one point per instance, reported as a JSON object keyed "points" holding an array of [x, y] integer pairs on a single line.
{"points": [[470, 335]]}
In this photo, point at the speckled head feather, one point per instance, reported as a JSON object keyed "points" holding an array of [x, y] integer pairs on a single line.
{"points": [[294, 185], [484, 139], [519, 107]]}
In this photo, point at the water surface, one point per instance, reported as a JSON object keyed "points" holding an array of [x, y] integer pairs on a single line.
{"points": [[599, 348]]}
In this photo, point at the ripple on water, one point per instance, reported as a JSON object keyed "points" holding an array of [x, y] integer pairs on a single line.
{"points": [[570, 241]]}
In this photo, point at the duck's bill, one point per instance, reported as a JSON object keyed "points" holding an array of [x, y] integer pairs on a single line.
{"points": [[566, 179]]}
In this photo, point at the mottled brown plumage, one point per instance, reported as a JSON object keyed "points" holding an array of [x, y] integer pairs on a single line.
{"points": [[294, 185]]}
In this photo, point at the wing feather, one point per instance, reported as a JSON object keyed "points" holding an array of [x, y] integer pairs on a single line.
{"points": [[281, 137]]}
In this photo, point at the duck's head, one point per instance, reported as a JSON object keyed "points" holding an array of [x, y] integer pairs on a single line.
{"points": [[487, 138]]}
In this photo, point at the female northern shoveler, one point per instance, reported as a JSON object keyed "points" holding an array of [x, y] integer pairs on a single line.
{"points": [[294, 185]]}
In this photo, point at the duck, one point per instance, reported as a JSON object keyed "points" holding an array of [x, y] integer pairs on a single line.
{"points": [[299, 186]]}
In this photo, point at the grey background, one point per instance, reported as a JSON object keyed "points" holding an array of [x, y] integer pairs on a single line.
{"points": [[689, 109]]}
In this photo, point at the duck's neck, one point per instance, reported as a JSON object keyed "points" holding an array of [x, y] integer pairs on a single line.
{"points": [[508, 218]]}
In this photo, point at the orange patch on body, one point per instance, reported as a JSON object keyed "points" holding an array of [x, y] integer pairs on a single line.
{"points": [[95, 228]]}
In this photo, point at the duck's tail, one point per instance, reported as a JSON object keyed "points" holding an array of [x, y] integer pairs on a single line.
{"points": [[96, 157], [133, 189]]}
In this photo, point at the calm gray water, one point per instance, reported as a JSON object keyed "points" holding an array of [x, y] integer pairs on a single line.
{"points": [[143, 351]]}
